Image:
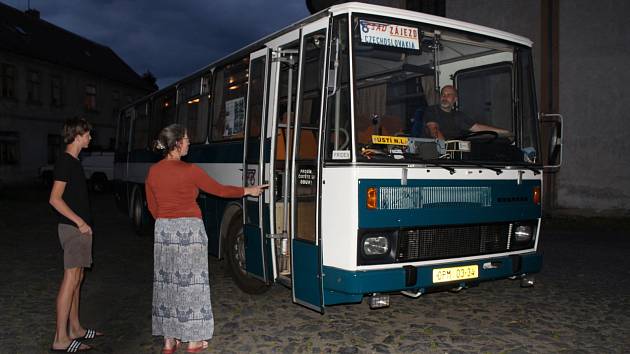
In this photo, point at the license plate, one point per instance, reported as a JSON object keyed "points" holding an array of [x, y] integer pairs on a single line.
{"points": [[442, 275]]}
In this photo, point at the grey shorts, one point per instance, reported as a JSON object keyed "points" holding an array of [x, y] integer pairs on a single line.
{"points": [[77, 247]]}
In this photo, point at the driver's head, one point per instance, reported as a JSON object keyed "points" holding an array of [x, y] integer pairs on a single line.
{"points": [[448, 97]]}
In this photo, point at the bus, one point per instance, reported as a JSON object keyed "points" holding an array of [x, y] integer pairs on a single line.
{"points": [[358, 206]]}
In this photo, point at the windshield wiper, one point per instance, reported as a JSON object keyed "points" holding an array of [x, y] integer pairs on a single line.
{"points": [[426, 162], [536, 170], [498, 171]]}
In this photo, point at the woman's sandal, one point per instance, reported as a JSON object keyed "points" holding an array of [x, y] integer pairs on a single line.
{"points": [[202, 347], [172, 349]]}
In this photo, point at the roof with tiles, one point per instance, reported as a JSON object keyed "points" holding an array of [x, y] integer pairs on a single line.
{"points": [[26, 34]]}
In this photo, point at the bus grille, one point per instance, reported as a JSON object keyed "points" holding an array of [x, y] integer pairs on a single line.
{"points": [[452, 241], [398, 198]]}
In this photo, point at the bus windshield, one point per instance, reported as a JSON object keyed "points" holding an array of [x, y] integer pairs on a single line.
{"points": [[428, 94]]}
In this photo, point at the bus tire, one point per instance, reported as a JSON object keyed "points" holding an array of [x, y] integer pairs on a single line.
{"points": [[235, 254], [140, 215]]}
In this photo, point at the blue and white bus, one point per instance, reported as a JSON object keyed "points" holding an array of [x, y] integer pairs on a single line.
{"points": [[358, 206]]}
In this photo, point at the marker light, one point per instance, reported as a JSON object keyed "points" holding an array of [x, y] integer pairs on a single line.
{"points": [[536, 195], [371, 198]]}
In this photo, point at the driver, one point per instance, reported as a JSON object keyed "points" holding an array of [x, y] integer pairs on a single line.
{"points": [[443, 122]]}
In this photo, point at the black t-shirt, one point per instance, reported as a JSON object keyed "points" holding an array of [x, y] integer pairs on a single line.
{"points": [[452, 124], [69, 170]]}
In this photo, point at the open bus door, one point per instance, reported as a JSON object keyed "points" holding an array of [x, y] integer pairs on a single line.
{"points": [[306, 247], [254, 161], [298, 66]]}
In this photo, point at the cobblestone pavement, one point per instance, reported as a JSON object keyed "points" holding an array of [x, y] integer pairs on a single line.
{"points": [[580, 304]]}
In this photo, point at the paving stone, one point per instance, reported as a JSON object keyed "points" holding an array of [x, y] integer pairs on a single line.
{"points": [[563, 313]]}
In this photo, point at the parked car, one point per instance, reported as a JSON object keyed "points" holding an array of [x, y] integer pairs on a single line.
{"points": [[97, 165]]}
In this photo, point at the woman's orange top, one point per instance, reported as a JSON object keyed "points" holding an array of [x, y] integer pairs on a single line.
{"points": [[172, 187]]}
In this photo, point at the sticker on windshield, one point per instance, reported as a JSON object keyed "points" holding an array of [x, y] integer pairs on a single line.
{"points": [[389, 140], [389, 35], [341, 155]]}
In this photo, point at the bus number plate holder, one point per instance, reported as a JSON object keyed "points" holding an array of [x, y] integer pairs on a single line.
{"points": [[443, 275]]}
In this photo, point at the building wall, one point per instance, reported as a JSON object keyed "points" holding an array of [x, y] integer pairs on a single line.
{"points": [[520, 17], [34, 122], [593, 74]]}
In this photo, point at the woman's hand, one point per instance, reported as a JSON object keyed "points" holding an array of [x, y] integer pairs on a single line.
{"points": [[255, 191]]}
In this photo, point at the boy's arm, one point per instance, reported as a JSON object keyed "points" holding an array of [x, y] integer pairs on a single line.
{"points": [[60, 205]]}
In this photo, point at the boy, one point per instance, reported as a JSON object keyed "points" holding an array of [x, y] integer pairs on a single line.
{"points": [[69, 196]]}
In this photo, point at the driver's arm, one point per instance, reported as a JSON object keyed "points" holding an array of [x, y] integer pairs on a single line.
{"points": [[434, 130], [477, 127]]}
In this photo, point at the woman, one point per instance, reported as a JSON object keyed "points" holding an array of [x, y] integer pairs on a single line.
{"points": [[181, 291]]}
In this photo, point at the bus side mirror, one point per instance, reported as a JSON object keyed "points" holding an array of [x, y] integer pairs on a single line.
{"points": [[551, 130]]}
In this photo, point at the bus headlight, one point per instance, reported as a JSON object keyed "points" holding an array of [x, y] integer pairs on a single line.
{"points": [[375, 245], [523, 233]]}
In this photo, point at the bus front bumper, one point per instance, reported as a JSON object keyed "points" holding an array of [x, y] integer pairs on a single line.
{"points": [[343, 286]]}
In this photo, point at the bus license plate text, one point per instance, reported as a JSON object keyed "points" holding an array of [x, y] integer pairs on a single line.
{"points": [[442, 275]]}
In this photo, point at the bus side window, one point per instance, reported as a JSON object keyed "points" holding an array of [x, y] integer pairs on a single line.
{"points": [[230, 95], [163, 112], [141, 126], [188, 112], [122, 140]]}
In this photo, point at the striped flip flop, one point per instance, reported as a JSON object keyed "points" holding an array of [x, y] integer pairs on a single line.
{"points": [[73, 347], [90, 334]]}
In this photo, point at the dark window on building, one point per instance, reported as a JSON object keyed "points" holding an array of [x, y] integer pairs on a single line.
{"points": [[90, 97], [54, 147], [33, 86], [9, 148], [56, 91], [8, 81]]}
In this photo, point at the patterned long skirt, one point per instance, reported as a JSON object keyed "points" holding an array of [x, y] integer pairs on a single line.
{"points": [[181, 286]]}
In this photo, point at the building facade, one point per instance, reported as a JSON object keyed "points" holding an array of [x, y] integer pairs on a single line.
{"points": [[48, 74]]}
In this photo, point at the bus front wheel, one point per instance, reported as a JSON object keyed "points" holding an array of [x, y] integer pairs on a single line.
{"points": [[235, 254]]}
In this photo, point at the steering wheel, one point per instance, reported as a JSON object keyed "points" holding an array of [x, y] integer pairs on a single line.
{"points": [[482, 135]]}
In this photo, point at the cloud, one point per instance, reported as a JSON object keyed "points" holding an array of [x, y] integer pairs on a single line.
{"points": [[170, 38]]}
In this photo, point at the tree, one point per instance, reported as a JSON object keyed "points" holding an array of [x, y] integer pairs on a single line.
{"points": [[150, 80]]}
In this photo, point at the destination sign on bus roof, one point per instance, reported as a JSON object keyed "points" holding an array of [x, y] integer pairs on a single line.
{"points": [[389, 35]]}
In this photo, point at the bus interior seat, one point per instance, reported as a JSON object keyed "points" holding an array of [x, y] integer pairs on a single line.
{"points": [[308, 144]]}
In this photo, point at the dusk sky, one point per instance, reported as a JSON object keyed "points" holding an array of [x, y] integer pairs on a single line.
{"points": [[170, 38]]}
